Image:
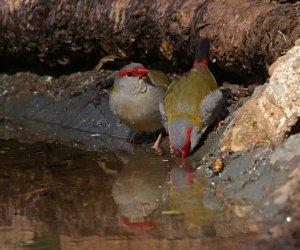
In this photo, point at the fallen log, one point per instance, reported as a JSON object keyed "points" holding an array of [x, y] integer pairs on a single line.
{"points": [[246, 36]]}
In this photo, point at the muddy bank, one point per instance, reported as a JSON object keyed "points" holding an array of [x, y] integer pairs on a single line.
{"points": [[68, 109]]}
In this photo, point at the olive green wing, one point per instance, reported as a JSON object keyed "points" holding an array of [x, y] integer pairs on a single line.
{"points": [[159, 78]]}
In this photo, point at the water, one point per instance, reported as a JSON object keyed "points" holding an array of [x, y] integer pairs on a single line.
{"points": [[57, 197]]}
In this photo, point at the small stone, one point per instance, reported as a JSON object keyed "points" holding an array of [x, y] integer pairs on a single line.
{"points": [[242, 211]]}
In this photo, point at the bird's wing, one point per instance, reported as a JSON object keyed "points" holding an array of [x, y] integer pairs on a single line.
{"points": [[164, 117], [211, 106], [159, 78]]}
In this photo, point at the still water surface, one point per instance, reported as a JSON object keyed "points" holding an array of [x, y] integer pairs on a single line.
{"points": [[57, 197]]}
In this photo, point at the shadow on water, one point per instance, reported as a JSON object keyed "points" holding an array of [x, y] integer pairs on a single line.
{"points": [[55, 197]]}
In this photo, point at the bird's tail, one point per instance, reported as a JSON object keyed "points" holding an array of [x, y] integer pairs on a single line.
{"points": [[201, 52]]}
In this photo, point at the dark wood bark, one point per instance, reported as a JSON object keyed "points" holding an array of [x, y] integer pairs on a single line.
{"points": [[246, 36]]}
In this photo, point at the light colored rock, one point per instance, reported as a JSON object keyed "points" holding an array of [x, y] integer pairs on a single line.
{"points": [[274, 108]]}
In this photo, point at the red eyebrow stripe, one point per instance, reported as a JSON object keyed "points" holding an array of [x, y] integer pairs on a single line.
{"points": [[134, 71], [125, 71]]}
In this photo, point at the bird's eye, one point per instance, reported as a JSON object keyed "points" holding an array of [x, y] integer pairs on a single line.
{"points": [[129, 74]]}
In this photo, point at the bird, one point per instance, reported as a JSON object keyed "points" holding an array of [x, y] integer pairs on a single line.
{"points": [[135, 98], [191, 104]]}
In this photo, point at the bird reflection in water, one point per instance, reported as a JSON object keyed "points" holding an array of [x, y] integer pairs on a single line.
{"points": [[137, 191], [183, 197], [146, 194]]}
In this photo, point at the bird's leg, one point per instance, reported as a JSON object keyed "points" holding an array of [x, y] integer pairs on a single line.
{"points": [[156, 147]]}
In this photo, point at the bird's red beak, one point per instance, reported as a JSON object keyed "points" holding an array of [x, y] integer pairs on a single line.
{"points": [[187, 145], [142, 72]]}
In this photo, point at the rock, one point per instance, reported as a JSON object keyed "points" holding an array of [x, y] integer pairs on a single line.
{"points": [[287, 154], [287, 151], [274, 108], [287, 190], [268, 182]]}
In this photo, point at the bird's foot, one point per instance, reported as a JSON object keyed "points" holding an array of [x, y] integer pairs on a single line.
{"points": [[158, 150], [219, 126]]}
